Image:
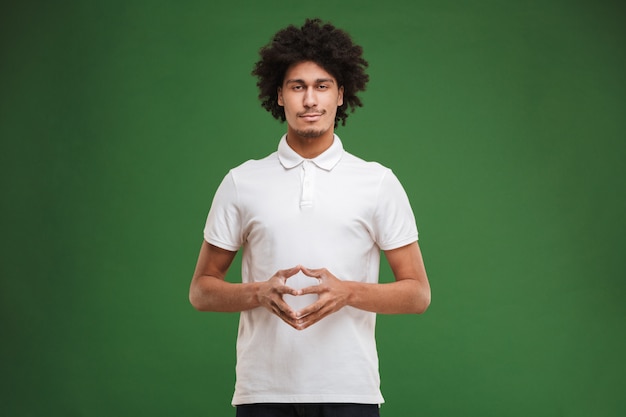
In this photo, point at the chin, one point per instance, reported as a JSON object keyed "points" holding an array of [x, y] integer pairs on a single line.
{"points": [[310, 133]]}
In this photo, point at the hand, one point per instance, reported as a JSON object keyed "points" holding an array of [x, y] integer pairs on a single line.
{"points": [[333, 296], [270, 295]]}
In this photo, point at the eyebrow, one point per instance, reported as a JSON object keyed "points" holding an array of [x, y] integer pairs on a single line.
{"points": [[318, 81]]}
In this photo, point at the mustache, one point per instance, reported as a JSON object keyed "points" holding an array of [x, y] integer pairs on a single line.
{"points": [[307, 112]]}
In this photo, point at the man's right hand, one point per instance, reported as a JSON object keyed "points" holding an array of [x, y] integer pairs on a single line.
{"points": [[270, 295]]}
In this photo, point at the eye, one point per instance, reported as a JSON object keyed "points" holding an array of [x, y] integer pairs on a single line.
{"points": [[322, 87], [296, 87]]}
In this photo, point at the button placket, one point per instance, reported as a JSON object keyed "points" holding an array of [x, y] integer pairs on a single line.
{"points": [[308, 184]]}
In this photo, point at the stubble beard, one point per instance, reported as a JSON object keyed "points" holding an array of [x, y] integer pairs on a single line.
{"points": [[313, 132], [310, 133]]}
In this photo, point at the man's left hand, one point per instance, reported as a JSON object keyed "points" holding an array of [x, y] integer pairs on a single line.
{"points": [[333, 296]]}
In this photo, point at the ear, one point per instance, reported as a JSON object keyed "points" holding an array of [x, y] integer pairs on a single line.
{"points": [[340, 97], [279, 92]]}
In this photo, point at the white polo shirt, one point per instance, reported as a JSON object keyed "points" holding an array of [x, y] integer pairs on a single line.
{"points": [[335, 211]]}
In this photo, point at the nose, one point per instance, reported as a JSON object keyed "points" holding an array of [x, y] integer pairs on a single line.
{"points": [[310, 99]]}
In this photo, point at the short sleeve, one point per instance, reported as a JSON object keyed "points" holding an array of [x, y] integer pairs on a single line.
{"points": [[394, 221], [223, 225]]}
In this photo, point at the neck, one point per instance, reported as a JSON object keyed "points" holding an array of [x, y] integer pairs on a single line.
{"points": [[309, 148]]}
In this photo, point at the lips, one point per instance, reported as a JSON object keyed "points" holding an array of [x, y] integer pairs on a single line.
{"points": [[311, 117]]}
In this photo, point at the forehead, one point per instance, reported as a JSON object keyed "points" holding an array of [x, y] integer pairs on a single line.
{"points": [[307, 71]]}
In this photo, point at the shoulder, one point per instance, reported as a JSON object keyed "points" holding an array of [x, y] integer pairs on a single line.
{"points": [[371, 175], [254, 167], [359, 166]]}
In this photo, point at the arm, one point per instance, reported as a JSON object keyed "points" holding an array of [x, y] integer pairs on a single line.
{"points": [[210, 292], [410, 293]]}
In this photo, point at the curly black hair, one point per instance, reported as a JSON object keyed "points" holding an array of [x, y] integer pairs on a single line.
{"points": [[322, 43]]}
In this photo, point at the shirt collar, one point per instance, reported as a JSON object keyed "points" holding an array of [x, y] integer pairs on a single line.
{"points": [[326, 160]]}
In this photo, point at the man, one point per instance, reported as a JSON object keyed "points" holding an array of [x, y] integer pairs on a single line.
{"points": [[311, 219]]}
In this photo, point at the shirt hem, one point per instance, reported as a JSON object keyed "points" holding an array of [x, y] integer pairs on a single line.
{"points": [[295, 399], [222, 245], [399, 243]]}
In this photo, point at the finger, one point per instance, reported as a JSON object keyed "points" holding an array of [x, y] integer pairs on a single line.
{"points": [[285, 289], [283, 309], [317, 311], [310, 309], [286, 273], [315, 273], [312, 318], [286, 318], [313, 289]]}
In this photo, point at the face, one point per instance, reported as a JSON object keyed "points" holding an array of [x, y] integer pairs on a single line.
{"points": [[310, 97]]}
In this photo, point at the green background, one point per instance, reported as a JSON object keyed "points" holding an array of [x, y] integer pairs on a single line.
{"points": [[505, 121]]}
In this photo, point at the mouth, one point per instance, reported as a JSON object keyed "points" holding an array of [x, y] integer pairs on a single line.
{"points": [[311, 116]]}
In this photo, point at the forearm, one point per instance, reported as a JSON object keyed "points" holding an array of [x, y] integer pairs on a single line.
{"points": [[213, 294], [399, 297]]}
